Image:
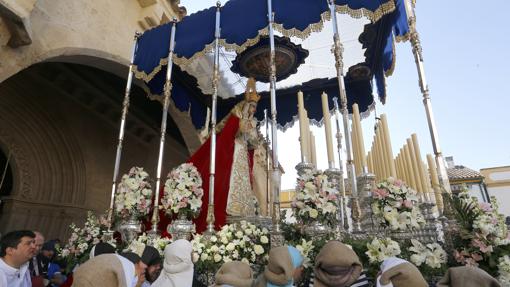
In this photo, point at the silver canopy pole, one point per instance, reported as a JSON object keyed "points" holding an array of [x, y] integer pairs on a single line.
{"points": [[277, 238], [343, 97], [212, 165], [341, 184], [418, 57], [166, 102], [339, 145], [125, 106], [268, 166]]}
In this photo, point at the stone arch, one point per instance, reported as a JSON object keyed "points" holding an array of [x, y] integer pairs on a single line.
{"points": [[118, 66]]}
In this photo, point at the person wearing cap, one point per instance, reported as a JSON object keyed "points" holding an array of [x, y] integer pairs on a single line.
{"points": [[124, 270], [177, 266], [152, 259], [96, 250], [337, 265], [467, 276], [284, 267], [397, 272], [235, 274]]}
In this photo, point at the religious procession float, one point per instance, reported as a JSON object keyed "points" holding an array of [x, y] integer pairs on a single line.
{"points": [[226, 197]]}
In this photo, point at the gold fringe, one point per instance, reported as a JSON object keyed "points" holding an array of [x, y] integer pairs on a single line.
{"points": [[373, 16], [147, 77], [401, 39], [394, 60]]}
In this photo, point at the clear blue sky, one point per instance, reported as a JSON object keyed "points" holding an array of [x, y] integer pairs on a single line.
{"points": [[465, 49]]}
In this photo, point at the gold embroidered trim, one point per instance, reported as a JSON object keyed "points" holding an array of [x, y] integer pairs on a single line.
{"points": [[373, 16], [404, 38]]}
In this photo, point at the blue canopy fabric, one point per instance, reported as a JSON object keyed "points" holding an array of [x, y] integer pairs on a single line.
{"points": [[380, 52], [187, 97], [240, 28]]}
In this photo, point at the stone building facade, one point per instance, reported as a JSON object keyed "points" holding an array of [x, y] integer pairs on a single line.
{"points": [[63, 69]]}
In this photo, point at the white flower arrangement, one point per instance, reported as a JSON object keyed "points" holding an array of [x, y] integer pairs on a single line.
{"points": [[433, 255], [504, 270], [241, 241], [158, 242], [306, 249], [397, 204], [183, 191], [315, 199], [134, 193], [380, 249], [78, 247]]}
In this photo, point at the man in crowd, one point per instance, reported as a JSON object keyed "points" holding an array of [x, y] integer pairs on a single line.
{"points": [[16, 250], [35, 265], [152, 259]]}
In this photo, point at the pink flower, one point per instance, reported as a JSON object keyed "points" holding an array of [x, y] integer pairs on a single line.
{"points": [[332, 197], [482, 246], [381, 193], [485, 206], [407, 203], [398, 183]]}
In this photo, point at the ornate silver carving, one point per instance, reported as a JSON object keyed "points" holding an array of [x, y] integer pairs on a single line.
{"points": [[181, 228], [304, 168], [129, 229]]}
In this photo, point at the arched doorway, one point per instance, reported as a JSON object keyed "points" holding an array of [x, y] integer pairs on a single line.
{"points": [[60, 120]]}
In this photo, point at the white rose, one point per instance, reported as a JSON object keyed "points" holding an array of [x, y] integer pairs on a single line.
{"points": [[214, 239], [264, 239], [204, 256], [313, 213], [239, 234], [258, 249], [230, 246], [217, 258]]}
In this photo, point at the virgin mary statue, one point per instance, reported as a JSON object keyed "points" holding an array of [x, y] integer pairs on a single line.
{"points": [[236, 141]]}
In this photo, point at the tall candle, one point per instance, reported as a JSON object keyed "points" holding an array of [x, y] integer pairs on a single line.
{"points": [[327, 127], [355, 151], [387, 143], [434, 178], [361, 145], [416, 169], [380, 151], [307, 137], [303, 135], [409, 166], [313, 151], [421, 171]]}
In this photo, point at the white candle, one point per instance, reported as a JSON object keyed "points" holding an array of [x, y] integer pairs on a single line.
{"points": [[359, 135], [313, 150], [327, 127], [303, 135]]}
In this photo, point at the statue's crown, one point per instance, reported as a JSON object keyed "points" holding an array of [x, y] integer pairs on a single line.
{"points": [[250, 95]]}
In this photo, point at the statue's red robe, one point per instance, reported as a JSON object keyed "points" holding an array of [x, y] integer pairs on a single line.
{"points": [[225, 141]]}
